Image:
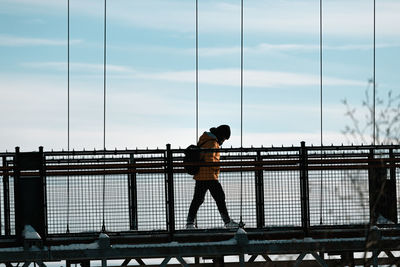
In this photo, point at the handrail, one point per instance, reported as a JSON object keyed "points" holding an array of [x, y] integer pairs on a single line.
{"points": [[157, 167]]}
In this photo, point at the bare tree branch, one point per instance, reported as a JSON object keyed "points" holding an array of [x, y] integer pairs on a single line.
{"points": [[387, 119]]}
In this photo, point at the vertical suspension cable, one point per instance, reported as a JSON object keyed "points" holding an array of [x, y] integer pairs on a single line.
{"points": [[321, 121], [197, 71], [68, 104], [241, 110], [104, 74], [241, 75], [104, 108], [320, 66], [374, 87], [197, 77]]}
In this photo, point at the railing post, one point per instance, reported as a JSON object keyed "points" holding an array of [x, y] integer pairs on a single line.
{"points": [[393, 187], [16, 186], [305, 205], [3, 173], [259, 175], [373, 193], [30, 192], [3, 161], [42, 174], [170, 192], [382, 188], [133, 218], [6, 199]]}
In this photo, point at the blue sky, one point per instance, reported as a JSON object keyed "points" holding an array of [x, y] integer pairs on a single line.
{"points": [[151, 70]]}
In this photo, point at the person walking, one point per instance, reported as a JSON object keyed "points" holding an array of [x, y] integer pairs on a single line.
{"points": [[207, 177]]}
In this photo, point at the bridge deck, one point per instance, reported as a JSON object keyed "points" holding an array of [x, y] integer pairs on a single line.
{"points": [[291, 195]]}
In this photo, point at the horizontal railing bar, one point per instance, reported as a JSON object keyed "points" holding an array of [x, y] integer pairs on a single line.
{"points": [[226, 169], [350, 147], [106, 166], [223, 163], [341, 163], [92, 160], [225, 154], [104, 152], [341, 158], [180, 150], [96, 160]]}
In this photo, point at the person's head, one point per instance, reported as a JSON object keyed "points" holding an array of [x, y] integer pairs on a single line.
{"points": [[222, 132]]}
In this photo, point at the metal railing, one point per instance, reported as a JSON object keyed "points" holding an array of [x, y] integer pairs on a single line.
{"points": [[148, 190]]}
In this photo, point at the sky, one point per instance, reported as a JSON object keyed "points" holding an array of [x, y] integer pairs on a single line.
{"points": [[150, 78]]}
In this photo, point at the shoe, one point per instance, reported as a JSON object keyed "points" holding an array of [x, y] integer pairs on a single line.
{"points": [[190, 226], [231, 224], [383, 220]]}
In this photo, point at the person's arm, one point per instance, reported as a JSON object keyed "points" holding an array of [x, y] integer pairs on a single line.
{"points": [[212, 156]]}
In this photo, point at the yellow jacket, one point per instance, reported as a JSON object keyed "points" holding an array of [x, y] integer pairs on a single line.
{"points": [[208, 140]]}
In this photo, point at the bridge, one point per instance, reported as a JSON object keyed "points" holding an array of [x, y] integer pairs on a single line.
{"points": [[325, 206], [301, 205]]}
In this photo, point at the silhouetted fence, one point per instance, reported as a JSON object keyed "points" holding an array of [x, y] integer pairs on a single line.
{"points": [[148, 190]]}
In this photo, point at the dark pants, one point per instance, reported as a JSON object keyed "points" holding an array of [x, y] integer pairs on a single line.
{"points": [[217, 193]]}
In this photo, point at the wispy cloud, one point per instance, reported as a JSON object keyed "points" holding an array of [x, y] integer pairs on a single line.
{"points": [[225, 77], [9, 40], [299, 47], [273, 48], [79, 67], [341, 17], [131, 138], [207, 51], [133, 116], [252, 78], [34, 21], [42, 120]]}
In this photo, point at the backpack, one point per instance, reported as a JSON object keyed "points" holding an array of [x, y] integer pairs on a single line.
{"points": [[192, 155]]}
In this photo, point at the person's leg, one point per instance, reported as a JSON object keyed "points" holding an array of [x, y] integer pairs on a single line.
{"points": [[219, 196], [200, 191]]}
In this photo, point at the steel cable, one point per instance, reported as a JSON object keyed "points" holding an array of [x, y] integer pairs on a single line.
{"points": [[321, 98], [104, 107], [197, 71], [374, 87], [241, 111], [68, 111]]}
